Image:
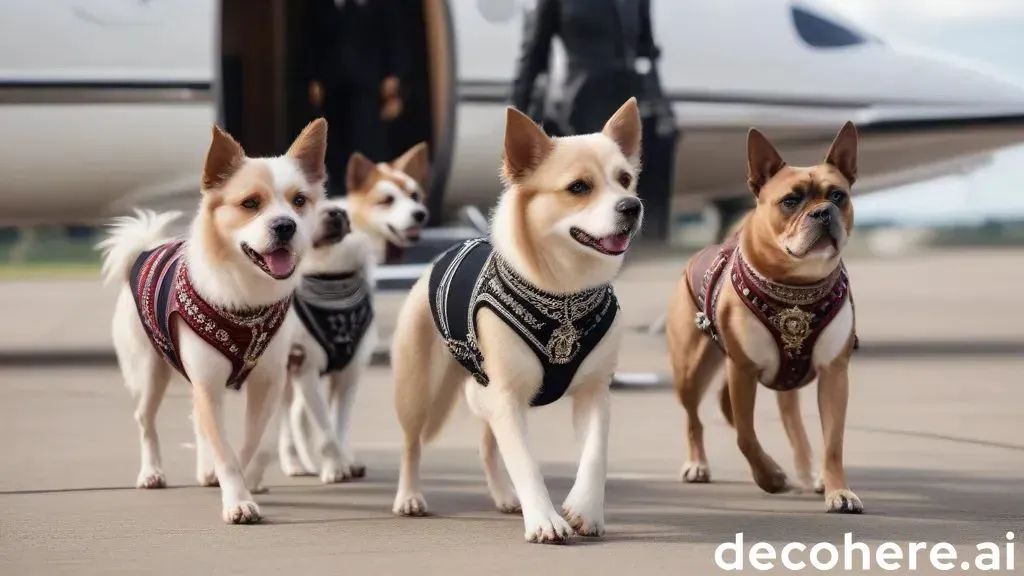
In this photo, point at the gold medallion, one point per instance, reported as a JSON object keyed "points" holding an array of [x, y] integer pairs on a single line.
{"points": [[794, 326], [563, 344]]}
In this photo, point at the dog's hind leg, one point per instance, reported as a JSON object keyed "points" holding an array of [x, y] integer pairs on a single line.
{"points": [[206, 474], [146, 376], [584, 506], [789, 409], [498, 482], [292, 448], [743, 392], [154, 376], [695, 361]]}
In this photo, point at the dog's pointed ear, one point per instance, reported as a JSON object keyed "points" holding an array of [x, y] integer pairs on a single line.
{"points": [[526, 145], [763, 161], [223, 159], [310, 149], [415, 163], [358, 173], [843, 152], [625, 128]]}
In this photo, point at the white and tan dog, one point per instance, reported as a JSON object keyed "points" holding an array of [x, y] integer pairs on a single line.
{"points": [[383, 207], [213, 304], [531, 318]]}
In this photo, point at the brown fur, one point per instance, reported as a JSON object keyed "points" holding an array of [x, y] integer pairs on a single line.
{"points": [[229, 180], [769, 233], [363, 175], [538, 174]]}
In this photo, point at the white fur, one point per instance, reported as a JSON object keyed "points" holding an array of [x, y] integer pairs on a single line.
{"points": [[330, 415], [237, 282], [834, 338], [515, 376]]}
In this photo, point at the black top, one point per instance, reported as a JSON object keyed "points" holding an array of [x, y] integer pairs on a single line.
{"points": [[337, 311], [603, 40], [561, 329]]}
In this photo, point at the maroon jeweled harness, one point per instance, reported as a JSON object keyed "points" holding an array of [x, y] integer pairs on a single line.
{"points": [[794, 315], [161, 286]]}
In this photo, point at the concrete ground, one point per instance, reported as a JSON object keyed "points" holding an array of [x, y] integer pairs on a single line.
{"points": [[933, 449]]}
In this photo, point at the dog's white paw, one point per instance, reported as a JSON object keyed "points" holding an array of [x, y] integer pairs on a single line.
{"points": [[207, 479], [549, 528], [507, 502], [843, 502], [695, 472], [246, 512], [151, 478], [334, 472], [818, 484], [293, 468], [410, 504], [584, 513], [258, 489]]}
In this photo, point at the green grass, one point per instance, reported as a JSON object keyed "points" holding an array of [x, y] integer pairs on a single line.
{"points": [[60, 270]]}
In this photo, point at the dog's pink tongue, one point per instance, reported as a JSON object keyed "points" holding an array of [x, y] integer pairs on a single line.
{"points": [[615, 244], [279, 262]]}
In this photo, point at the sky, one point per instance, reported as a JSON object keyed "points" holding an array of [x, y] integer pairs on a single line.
{"points": [[991, 31]]}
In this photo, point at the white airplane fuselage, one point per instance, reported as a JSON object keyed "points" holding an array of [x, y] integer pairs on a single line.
{"points": [[106, 105]]}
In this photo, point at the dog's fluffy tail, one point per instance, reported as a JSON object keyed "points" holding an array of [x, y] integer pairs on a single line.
{"points": [[725, 403], [131, 236]]}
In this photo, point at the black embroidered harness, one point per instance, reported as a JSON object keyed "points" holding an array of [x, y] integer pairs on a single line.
{"points": [[338, 311], [561, 329]]}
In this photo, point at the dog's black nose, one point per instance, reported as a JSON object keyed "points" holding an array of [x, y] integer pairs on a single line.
{"points": [[629, 207], [283, 229], [822, 214], [419, 216]]}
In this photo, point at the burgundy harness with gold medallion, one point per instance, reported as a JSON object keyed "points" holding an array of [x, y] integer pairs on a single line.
{"points": [[795, 316]]}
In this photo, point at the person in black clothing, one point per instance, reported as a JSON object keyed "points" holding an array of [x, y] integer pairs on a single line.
{"points": [[356, 62], [611, 56]]}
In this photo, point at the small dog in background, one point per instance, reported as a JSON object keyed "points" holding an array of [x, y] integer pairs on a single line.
{"points": [[384, 208], [531, 315], [335, 337], [774, 305], [213, 305]]}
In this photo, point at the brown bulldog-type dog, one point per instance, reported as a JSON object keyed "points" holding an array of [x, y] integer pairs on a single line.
{"points": [[773, 304]]}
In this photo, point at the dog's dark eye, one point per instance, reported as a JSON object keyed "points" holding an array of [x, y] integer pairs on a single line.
{"points": [[837, 197], [387, 201], [791, 201], [415, 196], [250, 203], [625, 179], [299, 201], [579, 187]]}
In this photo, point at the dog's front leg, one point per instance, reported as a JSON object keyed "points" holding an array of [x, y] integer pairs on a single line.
{"points": [[507, 419], [584, 507], [833, 395], [342, 399], [262, 403], [309, 389], [743, 382], [236, 500]]}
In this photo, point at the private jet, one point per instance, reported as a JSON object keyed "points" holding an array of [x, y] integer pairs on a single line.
{"points": [[106, 105]]}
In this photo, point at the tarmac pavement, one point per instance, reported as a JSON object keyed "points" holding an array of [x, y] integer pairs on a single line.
{"points": [[933, 448]]}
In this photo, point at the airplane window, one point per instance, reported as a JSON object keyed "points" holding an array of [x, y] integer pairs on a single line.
{"points": [[821, 32]]}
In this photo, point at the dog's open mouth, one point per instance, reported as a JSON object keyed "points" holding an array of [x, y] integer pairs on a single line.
{"points": [[613, 245], [405, 237], [278, 263]]}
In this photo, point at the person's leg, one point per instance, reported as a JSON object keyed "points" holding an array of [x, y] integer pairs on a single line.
{"points": [[339, 146]]}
